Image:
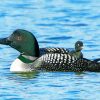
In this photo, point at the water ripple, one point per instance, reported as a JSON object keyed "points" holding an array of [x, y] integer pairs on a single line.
{"points": [[54, 23]]}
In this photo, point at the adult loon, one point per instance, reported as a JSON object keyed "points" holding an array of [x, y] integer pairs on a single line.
{"points": [[30, 56]]}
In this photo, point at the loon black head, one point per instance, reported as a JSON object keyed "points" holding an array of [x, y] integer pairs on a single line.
{"points": [[23, 41], [78, 45]]}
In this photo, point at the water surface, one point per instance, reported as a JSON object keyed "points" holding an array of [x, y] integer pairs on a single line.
{"points": [[55, 23]]}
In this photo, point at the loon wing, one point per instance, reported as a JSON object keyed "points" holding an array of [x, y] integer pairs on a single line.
{"points": [[54, 62], [65, 62], [53, 50], [84, 64]]}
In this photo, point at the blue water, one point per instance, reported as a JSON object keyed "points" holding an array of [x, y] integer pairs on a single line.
{"points": [[55, 23]]}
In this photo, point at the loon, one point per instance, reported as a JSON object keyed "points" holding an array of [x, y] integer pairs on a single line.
{"points": [[77, 52], [32, 58]]}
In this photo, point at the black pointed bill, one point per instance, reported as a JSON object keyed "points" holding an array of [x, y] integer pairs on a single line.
{"points": [[5, 41]]}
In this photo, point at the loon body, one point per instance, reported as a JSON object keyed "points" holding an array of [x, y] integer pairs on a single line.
{"points": [[65, 62], [32, 58]]}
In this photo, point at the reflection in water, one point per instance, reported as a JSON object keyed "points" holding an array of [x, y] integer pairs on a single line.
{"points": [[79, 73], [28, 75]]}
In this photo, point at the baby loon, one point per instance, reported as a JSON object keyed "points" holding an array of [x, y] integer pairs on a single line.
{"points": [[31, 57], [77, 52]]}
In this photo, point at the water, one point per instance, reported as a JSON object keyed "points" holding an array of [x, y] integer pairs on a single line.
{"points": [[55, 23]]}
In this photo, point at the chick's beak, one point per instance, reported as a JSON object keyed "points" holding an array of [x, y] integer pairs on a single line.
{"points": [[82, 47]]}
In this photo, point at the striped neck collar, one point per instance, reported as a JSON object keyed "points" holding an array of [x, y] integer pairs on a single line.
{"points": [[27, 59]]}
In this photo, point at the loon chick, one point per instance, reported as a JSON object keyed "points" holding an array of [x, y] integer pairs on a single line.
{"points": [[77, 52]]}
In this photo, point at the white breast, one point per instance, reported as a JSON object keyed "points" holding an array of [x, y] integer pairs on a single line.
{"points": [[19, 66]]}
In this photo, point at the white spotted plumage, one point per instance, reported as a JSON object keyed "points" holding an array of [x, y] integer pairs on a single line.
{"points": [[57, 58]]}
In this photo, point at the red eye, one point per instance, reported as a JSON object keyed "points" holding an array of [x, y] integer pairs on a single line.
{"points": [[19, 38]]}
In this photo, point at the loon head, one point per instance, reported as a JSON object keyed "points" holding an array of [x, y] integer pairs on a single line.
{"points": [[78, 45], [26, 43], [23, 41]]}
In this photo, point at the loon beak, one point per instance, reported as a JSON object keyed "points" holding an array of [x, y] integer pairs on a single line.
{"points": [[5, 41], [82, 47]]}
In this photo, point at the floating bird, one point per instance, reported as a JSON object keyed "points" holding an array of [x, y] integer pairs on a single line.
{"points": [[32, 57], [77, 52]]}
